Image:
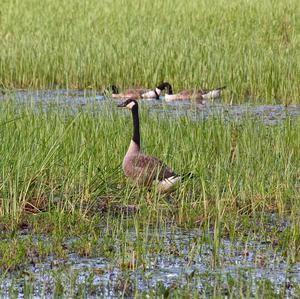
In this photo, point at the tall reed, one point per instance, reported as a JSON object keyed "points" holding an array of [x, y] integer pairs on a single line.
{"points": [[250, 46]]}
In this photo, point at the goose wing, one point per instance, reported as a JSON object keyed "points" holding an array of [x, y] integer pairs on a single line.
{"points": [[152, 167], [136, 90], [186, 92]]}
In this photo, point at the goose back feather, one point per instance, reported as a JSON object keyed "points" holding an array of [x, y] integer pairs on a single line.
{"points": [[132, 93]]}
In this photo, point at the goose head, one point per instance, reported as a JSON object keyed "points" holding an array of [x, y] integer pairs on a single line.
{"points": [[114, 89], [165, 85], [130, 103]]}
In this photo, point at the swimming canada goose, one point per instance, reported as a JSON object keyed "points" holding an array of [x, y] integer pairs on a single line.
{"points": [[133, 93], [201, 94], [141, 169]]}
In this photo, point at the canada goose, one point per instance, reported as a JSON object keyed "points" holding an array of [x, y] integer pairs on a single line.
{"points": [[141, 169], [201, 94], [133, 93]]}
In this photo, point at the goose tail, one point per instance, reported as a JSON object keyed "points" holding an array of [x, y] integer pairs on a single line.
{"points": [[188, 175], [220, 88], [171, 183], [213, 94], [168, 184]]}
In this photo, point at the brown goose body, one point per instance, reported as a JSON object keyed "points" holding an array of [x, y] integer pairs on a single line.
{"points": [[141, 169], [185, 95], [132, 93], [200, 94], [129, 94]]}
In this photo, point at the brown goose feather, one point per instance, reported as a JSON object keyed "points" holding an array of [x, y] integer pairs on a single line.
{"points": [[133, 93], [143, 170]]}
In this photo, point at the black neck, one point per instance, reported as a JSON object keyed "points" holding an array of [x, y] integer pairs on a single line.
{"points": [[136, 125]]}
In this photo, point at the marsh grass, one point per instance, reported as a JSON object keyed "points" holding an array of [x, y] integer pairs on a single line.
{"points": [[67, 165], [56, 160], [250, 46]]}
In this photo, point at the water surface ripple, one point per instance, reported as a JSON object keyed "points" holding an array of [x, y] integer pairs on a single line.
{"points": [[75, 101]]}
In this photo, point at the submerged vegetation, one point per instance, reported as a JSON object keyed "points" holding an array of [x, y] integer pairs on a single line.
{"points": [[250, 46], [63, 193]]}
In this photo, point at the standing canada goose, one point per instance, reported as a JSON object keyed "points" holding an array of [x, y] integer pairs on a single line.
{"points": [[201, 94], [133, 93], [141, 169]]}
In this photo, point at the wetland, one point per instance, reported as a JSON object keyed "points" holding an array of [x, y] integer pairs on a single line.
{"points": [[72, 226]]}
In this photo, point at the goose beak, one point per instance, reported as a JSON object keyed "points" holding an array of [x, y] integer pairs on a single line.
{"points": [[123, 104]]}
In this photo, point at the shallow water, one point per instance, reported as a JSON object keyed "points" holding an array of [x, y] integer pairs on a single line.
{"points": [[74, 100], [183, 259]]}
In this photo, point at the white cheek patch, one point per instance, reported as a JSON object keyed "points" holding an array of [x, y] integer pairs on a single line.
{"points": [[130, 105], [158, 91]]}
